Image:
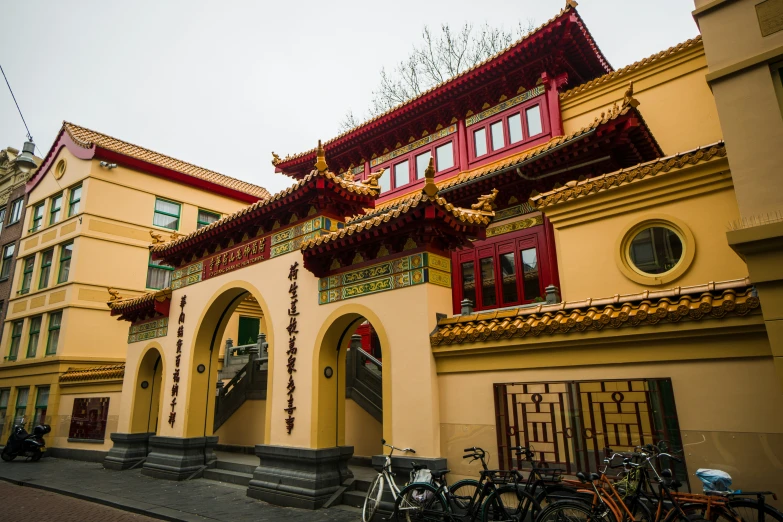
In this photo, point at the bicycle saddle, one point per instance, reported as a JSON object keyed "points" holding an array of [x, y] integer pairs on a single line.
{"points": [[593, 477], [669, 480], [438, 474]]}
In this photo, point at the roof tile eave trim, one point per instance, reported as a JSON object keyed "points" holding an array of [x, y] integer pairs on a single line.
{"points": [[358, 188], [619, 73], [712, 300], [93, 373], [130, 303], [647, 170], [88, 138], [449, 84], [467, 216]]}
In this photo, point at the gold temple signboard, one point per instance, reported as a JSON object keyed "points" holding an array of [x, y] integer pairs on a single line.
{"points": [[770, 15]]}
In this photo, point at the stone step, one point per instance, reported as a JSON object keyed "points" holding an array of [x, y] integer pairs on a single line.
{"points": [[235, 466], [225, 475], [356, 499]]}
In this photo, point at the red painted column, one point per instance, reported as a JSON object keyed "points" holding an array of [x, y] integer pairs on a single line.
{"points": [[553, 102], [554, 274], [462, 145]]}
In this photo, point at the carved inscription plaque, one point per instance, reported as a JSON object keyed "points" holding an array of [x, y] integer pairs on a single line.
{"points": [[770, 15]]}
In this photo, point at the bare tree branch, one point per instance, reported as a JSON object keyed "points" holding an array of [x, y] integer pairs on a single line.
{"points": [[436, 59]]}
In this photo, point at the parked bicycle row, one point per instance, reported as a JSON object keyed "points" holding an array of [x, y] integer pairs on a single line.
{"points": [[632, 487]]}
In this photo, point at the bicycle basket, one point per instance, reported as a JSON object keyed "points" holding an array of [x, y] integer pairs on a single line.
{"points": [[714, 480], [550, 474], [500, 476]]}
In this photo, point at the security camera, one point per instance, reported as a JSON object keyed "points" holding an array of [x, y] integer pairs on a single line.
{"points": [[107, 165]]}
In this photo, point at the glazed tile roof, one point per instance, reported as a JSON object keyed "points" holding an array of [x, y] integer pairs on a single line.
{"points": [[93, 373], [568, 7], [350, 186], [121, 305], [377, 218], [530, 154], [87, 138], [688, 44], [694, 303], [578, 189]]}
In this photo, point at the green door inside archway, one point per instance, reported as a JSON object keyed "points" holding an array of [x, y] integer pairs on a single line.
{"points": [[248, 330]]}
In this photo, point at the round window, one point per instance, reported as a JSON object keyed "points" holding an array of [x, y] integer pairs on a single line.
{"points": [[59, 170], [655, 250]]}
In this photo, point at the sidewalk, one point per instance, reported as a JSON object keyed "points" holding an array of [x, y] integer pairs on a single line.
{"points": [[193, 500]]}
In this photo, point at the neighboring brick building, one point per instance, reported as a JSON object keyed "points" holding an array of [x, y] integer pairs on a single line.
{"points": [[12, 210]]}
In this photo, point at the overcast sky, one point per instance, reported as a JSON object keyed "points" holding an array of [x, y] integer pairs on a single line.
{"points": [[222, 84]]}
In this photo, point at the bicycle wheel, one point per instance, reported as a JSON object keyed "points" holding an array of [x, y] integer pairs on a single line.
{"points": [[420, 503], [639, 509], [373, 499], [510, 503], [550, 494], [461, 495], [748, 510], [567, 511]]}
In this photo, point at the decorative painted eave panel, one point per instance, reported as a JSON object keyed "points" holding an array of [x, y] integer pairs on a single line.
{"points": [[695, 303], [563, 42]]}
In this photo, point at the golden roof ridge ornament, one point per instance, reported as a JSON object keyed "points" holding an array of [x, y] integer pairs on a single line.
{"points": [[430, 188], [372, 179], [628, 99], [276, 160], [114, 295], [571, 4], [156, 237], [484, 203], [320, 158]]}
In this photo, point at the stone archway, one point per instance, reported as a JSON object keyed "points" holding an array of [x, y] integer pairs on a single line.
{"points": [[200, 415], [147, 401]]}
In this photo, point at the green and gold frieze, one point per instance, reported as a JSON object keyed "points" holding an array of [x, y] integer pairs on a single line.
{"points": [[516, 210], [254, 250], [406, 271], [513, 226], [507, 104], [148, 330]]}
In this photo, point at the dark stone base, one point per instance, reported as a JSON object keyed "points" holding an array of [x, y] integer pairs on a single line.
{"points": [[76, 454], [402, 466], [128, 450], [232, 448], [174, 458], [299, 477]]}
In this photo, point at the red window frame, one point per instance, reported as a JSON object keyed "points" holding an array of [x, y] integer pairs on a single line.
{"points": [[534, 237], [525, 142], [413, 182]]}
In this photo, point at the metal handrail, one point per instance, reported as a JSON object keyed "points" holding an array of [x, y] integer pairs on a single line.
{"points": [[372, 359]]}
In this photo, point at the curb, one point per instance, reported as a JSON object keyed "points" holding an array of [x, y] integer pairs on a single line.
{"points": [[107, 501]]}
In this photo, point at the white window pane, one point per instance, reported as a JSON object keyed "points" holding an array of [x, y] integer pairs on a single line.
{"points": [[533, 116], [444, 156], [480, 139], [385, 180], [422, 161], [166, 206], [496, 131], [514, 128], [162, 220], [401, 174]]}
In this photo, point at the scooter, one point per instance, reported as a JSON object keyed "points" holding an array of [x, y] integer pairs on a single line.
{"points": [[21, 443]]}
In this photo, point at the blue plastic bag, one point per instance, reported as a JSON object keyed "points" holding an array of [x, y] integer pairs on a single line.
{"points": [[714, 480]]}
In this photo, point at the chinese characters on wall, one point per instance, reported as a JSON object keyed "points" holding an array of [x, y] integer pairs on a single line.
{"points": [[238, 257], [175, 378], [292, 331]]}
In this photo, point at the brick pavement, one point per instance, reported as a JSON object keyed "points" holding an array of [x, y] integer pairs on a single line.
{"points": [[194, 500], [21, 503]]}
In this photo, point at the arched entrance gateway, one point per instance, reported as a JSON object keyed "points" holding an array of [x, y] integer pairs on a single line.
{"points": [[347, 308]]}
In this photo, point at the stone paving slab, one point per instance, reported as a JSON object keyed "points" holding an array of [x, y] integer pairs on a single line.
{"points": [[192, 501]]}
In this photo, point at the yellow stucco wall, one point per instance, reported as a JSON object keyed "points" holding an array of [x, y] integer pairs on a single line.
{"points": [[362, 431], [65, 410], [110, 234], [246, 426], [675, 101]]}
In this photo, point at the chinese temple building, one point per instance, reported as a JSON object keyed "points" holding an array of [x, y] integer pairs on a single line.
{"points": [[531, 253]]}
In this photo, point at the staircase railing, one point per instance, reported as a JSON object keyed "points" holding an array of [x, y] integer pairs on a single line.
{"points": [[249, 383], [364, 383]]}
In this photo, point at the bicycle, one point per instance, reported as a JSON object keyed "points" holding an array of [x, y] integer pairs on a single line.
{"points": [[468, 500], [374, 493]]}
